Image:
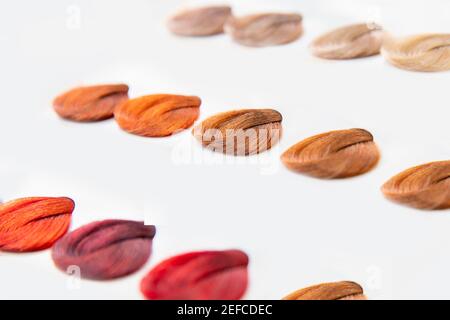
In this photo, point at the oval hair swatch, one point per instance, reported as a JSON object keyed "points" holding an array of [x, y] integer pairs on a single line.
{"points": [[31, 224], [204, 275], [349, 42], [203, 21], [92, 103], [158, 115], [424, 187], [427, 52], [105, 249], [268, 29], [335, 154], [240, 132], [344, 290]]}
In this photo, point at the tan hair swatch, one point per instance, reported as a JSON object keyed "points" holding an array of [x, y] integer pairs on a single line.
{"points": [[344, 290], [241, 132], [335, 154], [425, 187], [353, 41], [427, 52]]}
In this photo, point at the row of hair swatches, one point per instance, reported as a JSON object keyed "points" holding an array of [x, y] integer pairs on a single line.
{"points": [[335, 154], [425, 52], [112, 249]]}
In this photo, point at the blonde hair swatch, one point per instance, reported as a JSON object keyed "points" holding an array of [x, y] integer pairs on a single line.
{"points": [[335, 154], [344, 290], [425, 187], [353, 41], [427, 52]]}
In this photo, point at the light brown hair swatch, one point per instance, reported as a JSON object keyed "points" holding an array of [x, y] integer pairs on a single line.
{"points": [[335, 154], [349, 42], [203, 21], [158, 115], [91, 103], [344, 290], [424, 187], [427, 52], [269, 29], [241, 132]]}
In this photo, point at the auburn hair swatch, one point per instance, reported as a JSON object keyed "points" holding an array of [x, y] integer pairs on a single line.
{"points": [[349, 42], [424, 187], [31, 224], [204, 275], [335, 154], [105, 249], [427, 52], [344, 290]]}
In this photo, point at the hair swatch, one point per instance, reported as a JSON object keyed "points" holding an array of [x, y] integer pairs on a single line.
{"points": [[158, 115], [344, 290], [349, 42], [425, 187], [261, 30], [205, 275], [105, 249], [241, 132], [31, 224], [427, 52], [335, 154], [91, 103], [204, 21]]}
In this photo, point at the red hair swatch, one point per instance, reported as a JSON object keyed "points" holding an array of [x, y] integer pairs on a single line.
{"points": [[31, 224], [105, 249], [205, 275]]}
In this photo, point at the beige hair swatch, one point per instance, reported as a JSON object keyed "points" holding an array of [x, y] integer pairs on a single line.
{"points": [[349, 42], [261, 30], [427, 52], [425, 187], [241, 132], [344, 290], [335, 154]]}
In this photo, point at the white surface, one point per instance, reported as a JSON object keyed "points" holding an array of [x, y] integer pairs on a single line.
{"points": [[298, 231]]}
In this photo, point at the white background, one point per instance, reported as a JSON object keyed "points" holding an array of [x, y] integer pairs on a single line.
{"points": [[298, 231]]}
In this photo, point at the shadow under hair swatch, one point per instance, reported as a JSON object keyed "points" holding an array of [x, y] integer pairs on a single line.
{"points": [[335, 154], [158, 115], [92, 103], [31, 224], [349, 42], [427, 52], [204, 275], [204, 21], [344, 290], [424, 187], [241, 132], [261, 30], [105, 249]]}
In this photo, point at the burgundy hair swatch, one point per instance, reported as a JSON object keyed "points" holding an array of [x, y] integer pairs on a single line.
{"points": [[105, 249]]}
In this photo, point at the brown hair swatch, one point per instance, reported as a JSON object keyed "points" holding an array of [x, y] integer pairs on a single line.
{"points": [[335, 154], [203, 21], [349, 42], [344, 290], [91, 103], [267, 29], [427, 52], [105, 249], [241, 132], [158, 115], [425, 187]]}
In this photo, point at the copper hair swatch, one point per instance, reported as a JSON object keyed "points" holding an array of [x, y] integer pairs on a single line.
{"points": [[344, 290], [424, 187], [105, 249], [31, 224]]}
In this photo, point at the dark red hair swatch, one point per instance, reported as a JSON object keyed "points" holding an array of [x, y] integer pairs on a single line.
{"points": [[31, 224], [205, 275], [105, 249]]}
